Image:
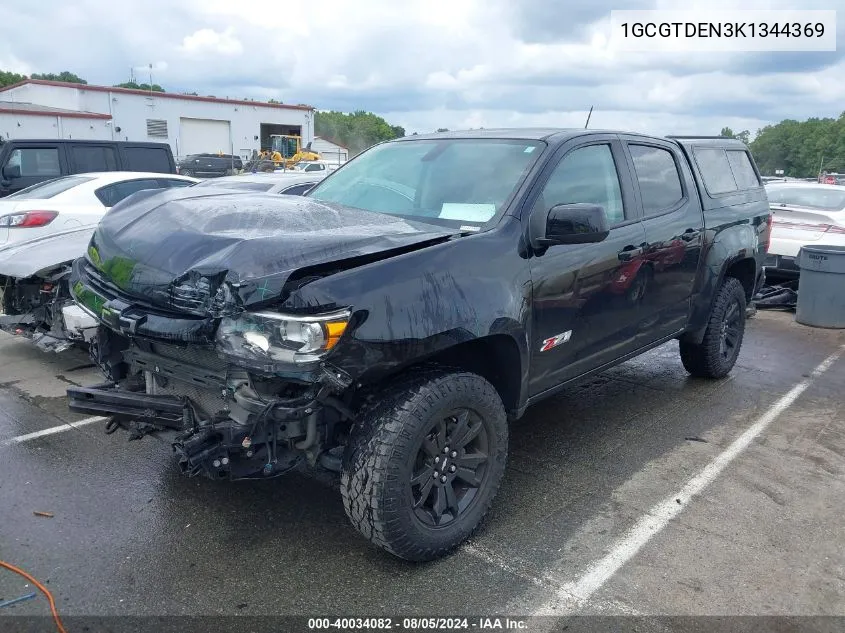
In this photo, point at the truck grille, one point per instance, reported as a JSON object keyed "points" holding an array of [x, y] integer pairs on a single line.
{"points": [[193, 355], [210, 403]]}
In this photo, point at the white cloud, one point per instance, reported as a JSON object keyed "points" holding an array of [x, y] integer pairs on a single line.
{"points": [[210, 42], [427, 63]]}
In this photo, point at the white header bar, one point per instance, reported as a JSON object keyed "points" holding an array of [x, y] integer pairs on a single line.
{"points": [[720, 30]]}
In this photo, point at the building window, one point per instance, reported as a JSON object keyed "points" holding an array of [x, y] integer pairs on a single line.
{"points": [[156, 128]]}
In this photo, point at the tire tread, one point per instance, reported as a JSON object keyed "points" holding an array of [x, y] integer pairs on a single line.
{"points": [[370, 481], [703, 359]]}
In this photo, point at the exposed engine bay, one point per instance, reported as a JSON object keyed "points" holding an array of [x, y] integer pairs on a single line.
{"points": [[42, 309], [224, 422]]}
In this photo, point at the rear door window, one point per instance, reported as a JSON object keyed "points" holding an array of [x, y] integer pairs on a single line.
{"points": [[153, 159], [88, 158], [658, 178], [110, 195]]}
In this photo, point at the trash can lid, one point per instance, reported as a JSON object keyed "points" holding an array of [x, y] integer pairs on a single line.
{"points": [[822, 258]]}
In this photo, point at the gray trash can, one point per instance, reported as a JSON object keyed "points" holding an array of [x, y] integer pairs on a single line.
{"points": [[821, 288]]}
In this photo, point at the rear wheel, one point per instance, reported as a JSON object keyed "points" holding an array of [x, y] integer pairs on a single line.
{"points": [[424, 464], [716, 355], [187, 172]]}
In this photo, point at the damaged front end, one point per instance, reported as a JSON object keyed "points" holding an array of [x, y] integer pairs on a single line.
{"points": [[42, 309], [204, 333], [243, 396]]}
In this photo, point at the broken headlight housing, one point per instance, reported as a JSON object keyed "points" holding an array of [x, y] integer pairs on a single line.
{"points": [[273, 337]]}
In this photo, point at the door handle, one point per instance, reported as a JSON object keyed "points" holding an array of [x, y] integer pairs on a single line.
{"points": [[630, 252]]}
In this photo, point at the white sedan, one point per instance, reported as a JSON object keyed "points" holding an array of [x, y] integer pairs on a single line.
{"points": [[803, 214], [43, 229], [73, 202]]}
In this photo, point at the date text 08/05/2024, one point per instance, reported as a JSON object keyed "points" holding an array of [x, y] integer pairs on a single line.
{"points": [[416, 624]]}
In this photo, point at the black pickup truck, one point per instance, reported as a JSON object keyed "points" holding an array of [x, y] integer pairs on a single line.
{"points": [[390, 323], [210, 165]]}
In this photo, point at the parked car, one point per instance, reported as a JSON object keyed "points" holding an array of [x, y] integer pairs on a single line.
{"points": [[26, 162], [388, 324], [315, 165], [210, 165], [290, 183], [803, 214], [42, 230]]}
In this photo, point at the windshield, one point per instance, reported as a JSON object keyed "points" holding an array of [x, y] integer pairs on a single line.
{"points": [[285, 145], [49, 189], [829, 199], [246, 185], [461, 180]]}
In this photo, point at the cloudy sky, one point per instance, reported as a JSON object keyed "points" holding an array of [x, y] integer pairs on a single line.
{"points": [[425, 64]]}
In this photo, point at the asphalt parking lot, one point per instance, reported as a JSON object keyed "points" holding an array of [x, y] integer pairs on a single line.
{"points": [[640, 492]]}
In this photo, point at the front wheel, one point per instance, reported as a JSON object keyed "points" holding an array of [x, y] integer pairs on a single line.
{"points": [[716, 355], [423, 465]]}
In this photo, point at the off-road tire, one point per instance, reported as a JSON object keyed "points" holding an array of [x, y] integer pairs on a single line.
{"points": [[379, 460], [705, 360]]}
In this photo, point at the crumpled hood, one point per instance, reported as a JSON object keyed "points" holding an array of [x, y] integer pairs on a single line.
{"points": [[215, 253]]}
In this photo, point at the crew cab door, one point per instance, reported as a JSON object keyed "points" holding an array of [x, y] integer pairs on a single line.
{"points": [[674, 230], [585, 308]]}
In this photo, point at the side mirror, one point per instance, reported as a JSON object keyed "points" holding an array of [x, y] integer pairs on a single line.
{"points": [[11, 171], [578, 223]]}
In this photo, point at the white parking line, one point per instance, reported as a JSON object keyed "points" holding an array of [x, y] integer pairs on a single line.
{"points": [[574, 594], [67, 426]]}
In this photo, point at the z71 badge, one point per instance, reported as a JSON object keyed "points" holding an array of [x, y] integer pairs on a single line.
{"points": [[556, 340]]}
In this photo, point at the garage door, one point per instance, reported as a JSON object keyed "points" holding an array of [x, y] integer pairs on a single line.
{"points": [[203, 136]]}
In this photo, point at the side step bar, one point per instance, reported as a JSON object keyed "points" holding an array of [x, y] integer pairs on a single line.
{"points": [[103, 399]]}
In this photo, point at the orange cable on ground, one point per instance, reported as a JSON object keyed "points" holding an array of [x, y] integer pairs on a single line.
{"points": [[43, 589]]}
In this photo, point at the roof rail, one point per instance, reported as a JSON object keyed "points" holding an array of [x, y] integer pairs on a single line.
{"points": [[697, 136]]}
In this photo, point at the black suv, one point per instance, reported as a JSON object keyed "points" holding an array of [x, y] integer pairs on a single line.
{"points": [[390, 323], [26, 162]]}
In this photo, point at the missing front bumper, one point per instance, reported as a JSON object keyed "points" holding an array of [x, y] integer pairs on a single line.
{"points": [[267, 444], [106, 399]]}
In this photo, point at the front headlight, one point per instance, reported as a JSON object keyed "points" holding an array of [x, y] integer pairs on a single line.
{"points": [[283, 338]]}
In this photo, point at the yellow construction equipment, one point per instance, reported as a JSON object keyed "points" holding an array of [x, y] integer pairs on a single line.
{"points": [[287, 150]]}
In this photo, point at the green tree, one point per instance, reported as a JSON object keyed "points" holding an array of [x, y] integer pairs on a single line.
{"points": [[134, 85], [274, 101], [743, 136], [801, 148], [442, 129], [65, 76], [356, 130], [9, 78]]}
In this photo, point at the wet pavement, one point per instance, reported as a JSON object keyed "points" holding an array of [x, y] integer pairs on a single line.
{"points": [[130, 535]]}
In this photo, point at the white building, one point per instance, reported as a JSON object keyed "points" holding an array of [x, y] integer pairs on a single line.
{"points": [[50, 109], [333, 153]]}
